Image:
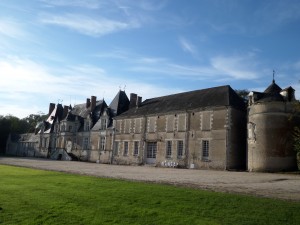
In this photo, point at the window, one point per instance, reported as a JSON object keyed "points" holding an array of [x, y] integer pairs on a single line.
{"points": [[136, 148], [102, 143], [151, 150], [103, 124], [70, 128], [125, 148], [85, 143], [45, 142], [87, 126], [56, 128], [169, 149], [205, 149], [76, 127], [179, 149], [62, 128], [116, 148]]}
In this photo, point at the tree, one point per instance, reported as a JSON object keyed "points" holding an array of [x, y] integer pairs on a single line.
{"points": [[296, 135], [243, 93], [11, 124], [33, 119]]}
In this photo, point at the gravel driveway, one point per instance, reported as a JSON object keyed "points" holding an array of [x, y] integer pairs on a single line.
{"points": [[272, 185]]}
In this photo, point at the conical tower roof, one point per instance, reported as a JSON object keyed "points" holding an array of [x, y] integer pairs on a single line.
{"points": [[273, 89]]}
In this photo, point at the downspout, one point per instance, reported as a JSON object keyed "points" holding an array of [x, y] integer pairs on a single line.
{"points": [[227, 128], [187, 138], [99, 147], [144, 139], [112, 146]]}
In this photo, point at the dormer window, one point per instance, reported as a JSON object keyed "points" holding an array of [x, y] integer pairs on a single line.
{"points": [[103, 124], [56, 128], [63, 127], [76, 127], [87, 126]]}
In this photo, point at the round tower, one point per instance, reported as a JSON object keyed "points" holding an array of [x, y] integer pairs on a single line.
{"points": [[270, 127]]}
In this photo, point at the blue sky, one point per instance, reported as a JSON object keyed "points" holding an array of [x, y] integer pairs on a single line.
{"points": [[67, 50]]}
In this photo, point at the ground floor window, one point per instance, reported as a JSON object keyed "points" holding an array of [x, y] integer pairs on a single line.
{"points": [[151, 150], [179, 149], [125, 148], [136, 148], [169, 149], [102, 143], [205, 149], [85, 145], [116, 148], [45, 141]]}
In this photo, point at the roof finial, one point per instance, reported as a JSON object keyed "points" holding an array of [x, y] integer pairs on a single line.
{"points": [[273, 76]]}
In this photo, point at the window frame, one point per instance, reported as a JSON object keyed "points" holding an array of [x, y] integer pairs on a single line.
{"points": [[126, 148], [180, 149], [205, 147], [136, 148], [85, 143], [168, 149], [102, 143], [116, 147]]}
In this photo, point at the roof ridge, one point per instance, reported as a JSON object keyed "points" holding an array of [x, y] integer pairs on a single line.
{"points": [[187, 92]]}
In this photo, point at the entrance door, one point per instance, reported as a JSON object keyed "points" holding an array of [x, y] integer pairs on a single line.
{"points": [[151, 152]]}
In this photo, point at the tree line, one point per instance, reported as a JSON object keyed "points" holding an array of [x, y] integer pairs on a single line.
{"points": [[12, 124]]}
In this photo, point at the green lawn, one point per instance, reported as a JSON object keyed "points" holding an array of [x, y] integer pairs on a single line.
{"points": [[30, 196]]}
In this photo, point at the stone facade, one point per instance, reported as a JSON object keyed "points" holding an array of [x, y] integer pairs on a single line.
{"points": [[200, 129], [271, 121], [82, 132], [203, 129]]}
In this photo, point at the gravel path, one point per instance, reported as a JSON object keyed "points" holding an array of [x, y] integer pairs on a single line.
{"points": [[272, 185]]}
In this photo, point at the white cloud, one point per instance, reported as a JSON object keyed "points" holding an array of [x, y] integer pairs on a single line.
{"points": [[152, 5], [221, 68], [91, 4], [89, 26], [187, 46], [12, 29], [28, 87], [237, 67]]}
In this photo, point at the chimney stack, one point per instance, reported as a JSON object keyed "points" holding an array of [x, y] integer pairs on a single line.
{"points": [[51, 108], [65, 113], [88, 102], [138, 101], [133, 100], [93, 102]]}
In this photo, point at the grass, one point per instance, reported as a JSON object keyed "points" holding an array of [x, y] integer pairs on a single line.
{"points": [[30, 196]]}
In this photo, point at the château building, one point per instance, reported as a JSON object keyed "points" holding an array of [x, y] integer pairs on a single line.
{"points": [[204, 129]]}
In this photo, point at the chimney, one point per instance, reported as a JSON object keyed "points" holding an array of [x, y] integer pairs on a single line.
{"points": [[65, 113], [93, 102], [138, 101], [51, 108], [88, 102], [133, 99]]}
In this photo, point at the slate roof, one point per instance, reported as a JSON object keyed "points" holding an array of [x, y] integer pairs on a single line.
{"points": [[57, 113], [273, 88], [82, 111], [119, 104], [272, 93], [205, 98]]}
